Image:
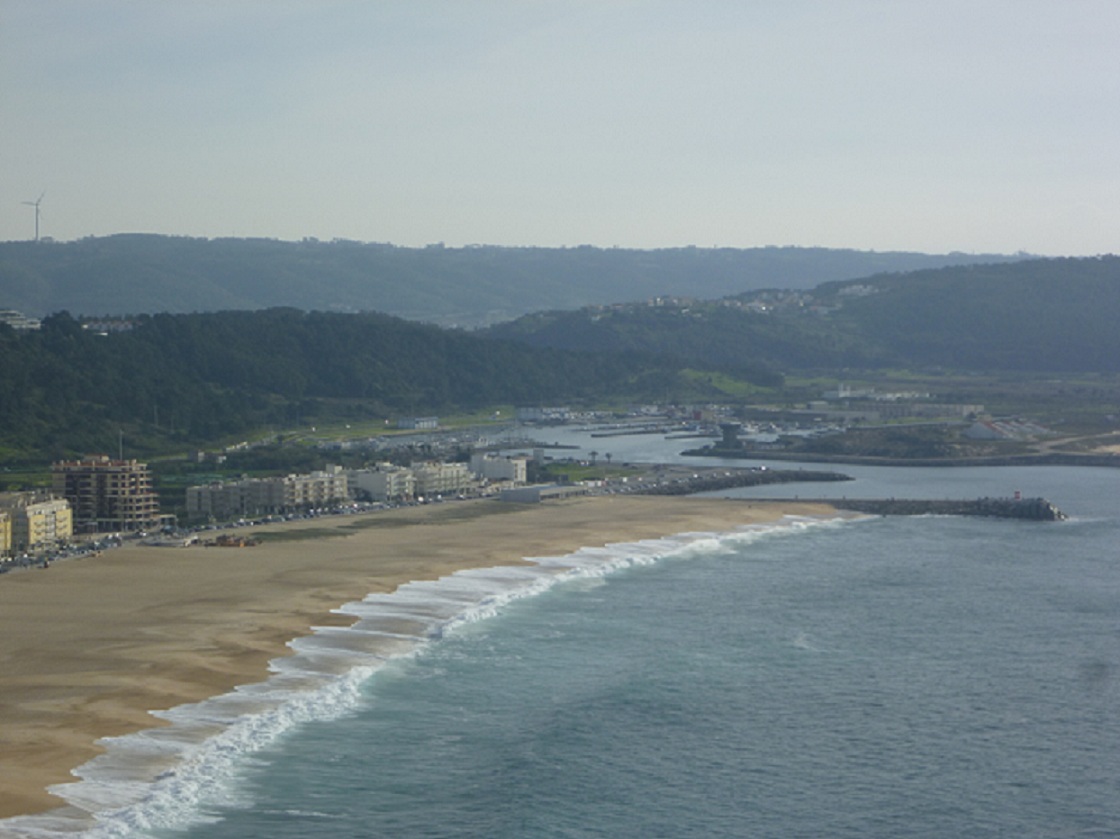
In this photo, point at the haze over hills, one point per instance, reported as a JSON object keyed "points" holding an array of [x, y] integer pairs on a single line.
{"points": [[468, 287]]}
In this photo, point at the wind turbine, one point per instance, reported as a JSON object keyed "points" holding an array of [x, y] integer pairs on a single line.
{"points": [[36, 204]]}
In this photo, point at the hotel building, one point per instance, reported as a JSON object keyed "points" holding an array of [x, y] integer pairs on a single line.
{"points": [[107, 495]]}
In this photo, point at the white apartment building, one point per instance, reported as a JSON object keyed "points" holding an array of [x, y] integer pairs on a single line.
{"points": [[556, 413], [436, 478], [18, 320], [318, 489], [232, 499], [256, 496], [384, 482], [494, 468], [418, 423]]}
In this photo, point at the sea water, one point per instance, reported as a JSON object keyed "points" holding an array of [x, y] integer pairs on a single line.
{"points": [[877, 678]]}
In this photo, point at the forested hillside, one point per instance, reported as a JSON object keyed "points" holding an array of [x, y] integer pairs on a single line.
{"points": [[177, 379], [1037, 315], [137, 274], [1045, 315]]}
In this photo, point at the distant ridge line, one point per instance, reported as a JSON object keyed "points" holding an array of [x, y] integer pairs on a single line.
{"points": [[466, 286]]}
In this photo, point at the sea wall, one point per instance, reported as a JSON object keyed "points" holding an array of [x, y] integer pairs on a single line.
{"points": [[1044, 459], [710, 480], [714, 479], [1033, 509]]}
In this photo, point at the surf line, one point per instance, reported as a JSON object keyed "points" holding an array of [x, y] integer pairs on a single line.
{"points": [[168, 777]]}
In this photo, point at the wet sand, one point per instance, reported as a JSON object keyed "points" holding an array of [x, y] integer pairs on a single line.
{"points": [[88, 647]]}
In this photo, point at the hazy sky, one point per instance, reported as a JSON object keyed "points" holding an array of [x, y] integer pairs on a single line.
{"points": [[931, 125]]}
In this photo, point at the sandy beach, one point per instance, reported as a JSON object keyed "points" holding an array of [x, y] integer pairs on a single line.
{"points": [[88, 647]]}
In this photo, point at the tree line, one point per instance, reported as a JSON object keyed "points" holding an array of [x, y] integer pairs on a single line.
{"points": [[175, 379], [1052, 315]]}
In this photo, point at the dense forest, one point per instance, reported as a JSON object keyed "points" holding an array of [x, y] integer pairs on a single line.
{"points": [[178, 379], [172, 380], [468, 287], [1040, 315]]}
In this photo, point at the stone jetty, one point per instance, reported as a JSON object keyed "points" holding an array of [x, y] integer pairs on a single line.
{"points": [[711, 480], [678, 480], [1032, 509]]}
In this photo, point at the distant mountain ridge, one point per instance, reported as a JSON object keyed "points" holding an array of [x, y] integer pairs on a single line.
{"points": [[468, 287]]}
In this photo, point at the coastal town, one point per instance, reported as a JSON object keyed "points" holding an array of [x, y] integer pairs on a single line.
{"points": [[534, 419], [98, 501]]}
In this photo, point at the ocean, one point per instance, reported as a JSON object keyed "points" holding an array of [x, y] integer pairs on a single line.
{"points": [[887, 677]]}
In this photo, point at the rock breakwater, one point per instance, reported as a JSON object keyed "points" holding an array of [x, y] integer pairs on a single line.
{"points": [[1033, 509], [711, 480]]}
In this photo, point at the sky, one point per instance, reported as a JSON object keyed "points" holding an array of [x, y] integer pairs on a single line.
{"points": [[980, 126]]}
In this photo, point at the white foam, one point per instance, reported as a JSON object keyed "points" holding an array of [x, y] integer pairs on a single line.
{"points": [[166, 777]]}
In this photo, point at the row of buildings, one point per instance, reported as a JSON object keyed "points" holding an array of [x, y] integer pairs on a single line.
{"points": [[30, 521], [100, 494], [384, 482], [94, 495]]}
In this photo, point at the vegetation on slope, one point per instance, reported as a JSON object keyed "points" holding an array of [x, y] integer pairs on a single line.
{"points": [[1038, 315], [134, 274], [176, 379]]}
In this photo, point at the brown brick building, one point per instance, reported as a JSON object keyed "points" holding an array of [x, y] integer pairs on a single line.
{"points": [[107, 495]]}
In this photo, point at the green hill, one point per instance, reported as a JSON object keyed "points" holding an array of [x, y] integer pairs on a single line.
{"points": [[1040, 315], [472, 286], [176, 380], [1036, 315]]}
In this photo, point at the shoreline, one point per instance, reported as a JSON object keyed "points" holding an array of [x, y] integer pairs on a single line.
{"points": [[90, 647], [1086, 459]]}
